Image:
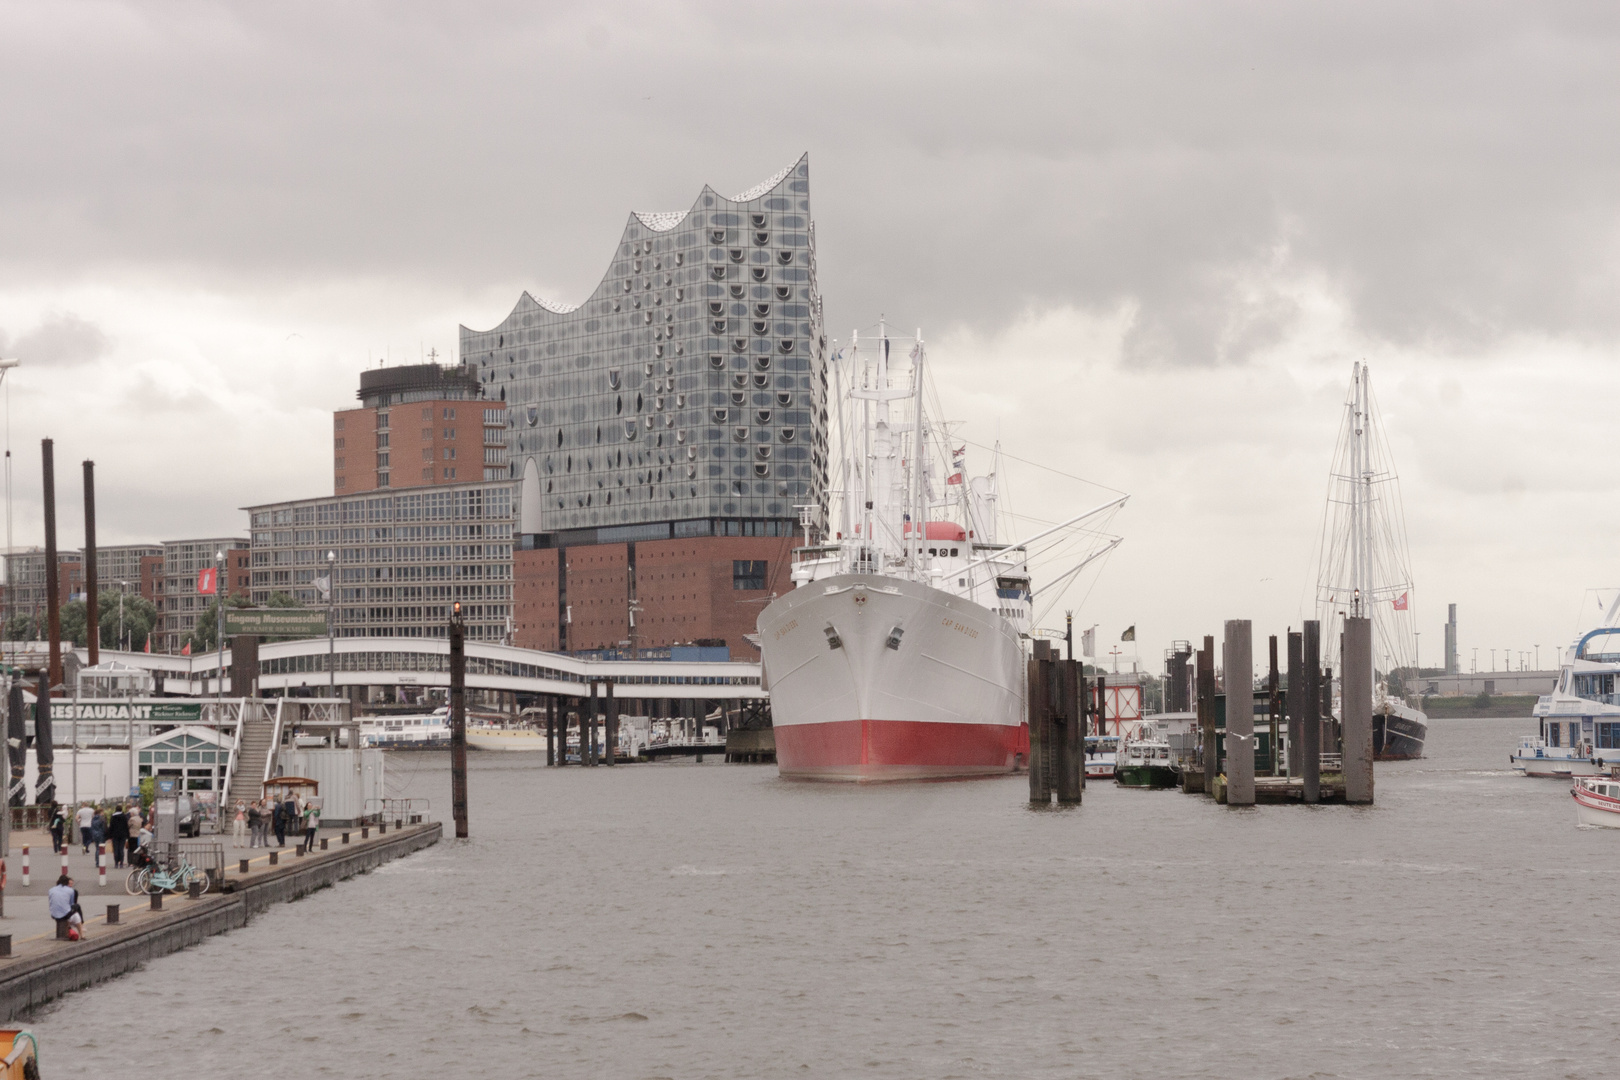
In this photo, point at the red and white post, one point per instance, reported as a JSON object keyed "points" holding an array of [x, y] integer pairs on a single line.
{"points": [[25, 865], [101, 865]]}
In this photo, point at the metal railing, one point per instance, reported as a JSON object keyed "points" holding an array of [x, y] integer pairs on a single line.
{"points": [[206, 855], [396, 811]]}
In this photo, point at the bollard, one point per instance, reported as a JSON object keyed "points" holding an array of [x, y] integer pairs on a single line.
{"points": [[364, 832], [382, 828], [61, 929], [64, 859], [242, 867], [25, 866], [323, 843], [299, 851], [275, 857], [345, 838], [101, 865], [112, 914], [194, 890], [399, 823], [5, 944], [157, 901]]}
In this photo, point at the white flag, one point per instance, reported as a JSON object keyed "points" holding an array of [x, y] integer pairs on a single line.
{"points": [[1088, 643], [324, 586]]}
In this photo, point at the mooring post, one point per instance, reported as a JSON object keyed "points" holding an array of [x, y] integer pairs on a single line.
{"points": [[53, 613], [1206, 713], [458, 721], [610, 736], [92, 620], [1070, 731], [1239, 658], [587, 731], [551, 729], [1356, 684], [1040, 791], [1295, 699], [1273, 711], [1310, 743]]}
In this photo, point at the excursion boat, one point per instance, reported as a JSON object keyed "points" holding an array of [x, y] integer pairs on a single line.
{"points": [[899, 652], [1579, 722], [1146, 763], [1101, 754], [428, 731], [1364, 568], [1597, 801]]}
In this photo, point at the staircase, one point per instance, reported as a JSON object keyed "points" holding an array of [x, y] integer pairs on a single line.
{"points": [[247, 779]]}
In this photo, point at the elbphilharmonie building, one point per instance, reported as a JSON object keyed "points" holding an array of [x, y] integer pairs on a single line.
{"points": [[687, 395]]}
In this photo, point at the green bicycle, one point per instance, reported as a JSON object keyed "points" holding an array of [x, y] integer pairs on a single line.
{"points": [[155, 879]]}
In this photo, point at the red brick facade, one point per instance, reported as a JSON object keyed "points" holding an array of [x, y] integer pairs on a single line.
{"points": [[687, 590], [423, 442]]}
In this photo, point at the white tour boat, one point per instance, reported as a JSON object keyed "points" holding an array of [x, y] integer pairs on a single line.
{"points": [[1597, 801], [427, 731], [1579, 721]]}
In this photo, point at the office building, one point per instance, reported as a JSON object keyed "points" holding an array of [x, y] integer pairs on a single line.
{"points": [[417, 424], [181, 603], [678, 416]]}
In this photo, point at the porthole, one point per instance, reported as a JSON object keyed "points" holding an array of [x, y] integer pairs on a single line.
{"points": [[717, 326], [762, 468], [761, 239], [735, 254], [762, 452], [761, 273]]}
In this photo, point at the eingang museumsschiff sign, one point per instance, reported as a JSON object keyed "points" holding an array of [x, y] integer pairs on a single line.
{"points": [[275, 622]]}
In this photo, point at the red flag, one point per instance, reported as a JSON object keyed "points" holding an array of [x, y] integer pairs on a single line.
{"points": [[186, 649], [1400, 602], [148, 642]]}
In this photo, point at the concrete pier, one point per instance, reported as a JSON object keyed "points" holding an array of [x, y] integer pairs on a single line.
{"points": [[1239, 660], [1356, 679], [41, 968]]}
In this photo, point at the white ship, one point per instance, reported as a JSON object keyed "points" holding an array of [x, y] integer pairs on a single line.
{"points": [[428, 731], [899, 653], [1364, 569], [1580, 720]]}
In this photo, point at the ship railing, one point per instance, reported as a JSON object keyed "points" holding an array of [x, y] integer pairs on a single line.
{"points": [[396, 811], [1332, 763]]}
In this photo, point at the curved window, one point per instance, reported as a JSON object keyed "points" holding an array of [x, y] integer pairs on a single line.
{"points": [[738, 397], [786, 345], [679, 258], [658, 350], [737, 292], [762, 416], [637, 266], [716, 272], [739, 345], [762, 311], [739, 378], [757, 220], [761, 273], [762, 468], [559, 436], [613, 378], [787, 434], [717, 236], [762, 381], [646, 316], [761, 327], [784, 399], [717, 307], [762, 452], [740, 434], [638, 402], [736, 254], [761, 239], [680, 294], [646, 246], [627, 286], [763, 362], [784, 257], [783, 292], [717, 361], [717, 326], [618, 405]]}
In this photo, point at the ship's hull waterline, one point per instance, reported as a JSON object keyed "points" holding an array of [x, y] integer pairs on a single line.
{"points": [[853, 700], [1397, 737]]}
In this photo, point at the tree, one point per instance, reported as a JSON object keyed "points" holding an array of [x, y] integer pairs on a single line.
{"points": [[139, 620], [203, 637], [22, 626]]}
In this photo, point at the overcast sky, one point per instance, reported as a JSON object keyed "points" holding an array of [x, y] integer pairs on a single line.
{"points": [[1146, 242]]}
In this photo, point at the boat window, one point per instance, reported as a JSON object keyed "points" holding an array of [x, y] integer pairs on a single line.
{"points": [[953, 553]]}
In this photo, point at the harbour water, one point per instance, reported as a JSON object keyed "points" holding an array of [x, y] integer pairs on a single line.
{"points": [[687, 920]]}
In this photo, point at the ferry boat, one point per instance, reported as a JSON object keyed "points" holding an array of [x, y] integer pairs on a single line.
{"points": [[1597, 801], [427, 731], [899, 652], [1146, 763], [1364, 569], [1579, 722]]}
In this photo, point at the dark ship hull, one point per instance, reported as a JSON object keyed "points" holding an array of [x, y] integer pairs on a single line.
{"points": [[1398, 738]]}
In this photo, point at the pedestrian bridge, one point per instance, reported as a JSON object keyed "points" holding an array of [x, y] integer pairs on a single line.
{"points": [[296, 666]]}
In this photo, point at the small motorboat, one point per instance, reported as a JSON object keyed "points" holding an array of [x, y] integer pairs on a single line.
{"points": [[1597, 801]]}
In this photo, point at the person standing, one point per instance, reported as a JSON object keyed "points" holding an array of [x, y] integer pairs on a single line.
{"points": [[312, 822], [136, 822], [278, 819], [118, 835], [289, 813], [239, 825], [81, 821], [98, 830], [253, 822], [58, 828]]}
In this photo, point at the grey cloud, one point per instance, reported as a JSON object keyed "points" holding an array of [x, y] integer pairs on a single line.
{"points": [[63, 340], [1446, 166]]}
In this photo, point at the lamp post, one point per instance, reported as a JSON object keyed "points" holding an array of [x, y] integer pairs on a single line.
{"points": [[123, 586], [219, 634], [331, 617], [1538, 657], [5, 366]]}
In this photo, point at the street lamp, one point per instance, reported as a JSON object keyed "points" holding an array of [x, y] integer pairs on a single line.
{"points": [[219, 634], [331, 617], [1538, 657], [123, 586], [6, 365]]}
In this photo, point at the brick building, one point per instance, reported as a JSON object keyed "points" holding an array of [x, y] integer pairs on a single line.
{"points": [[181, 602], [419, 424], [25, 582], [130, 568]]}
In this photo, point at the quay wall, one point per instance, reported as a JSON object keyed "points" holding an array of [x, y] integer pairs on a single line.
{"points": [[28, 983]]}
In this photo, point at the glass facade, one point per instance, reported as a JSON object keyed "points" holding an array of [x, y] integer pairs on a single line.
{"points": [[692, 383], [402, 558]]}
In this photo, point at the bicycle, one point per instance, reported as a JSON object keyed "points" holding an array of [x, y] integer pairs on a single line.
{"points": [[155, 879]]}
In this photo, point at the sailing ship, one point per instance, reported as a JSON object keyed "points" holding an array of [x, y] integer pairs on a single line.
{"points": [[1364, 569], [899, 653]]}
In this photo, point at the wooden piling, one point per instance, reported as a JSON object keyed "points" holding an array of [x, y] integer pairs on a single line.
{"points": [[1239, 660], [458, 722], [1206, 711], [553, 758], [1056, 737], [610, 725], [1040, 791], [1294, 700], [1356, 667], [91, 590], [1071, 727], [1274, 709], [1310, 743], [587, 731]]}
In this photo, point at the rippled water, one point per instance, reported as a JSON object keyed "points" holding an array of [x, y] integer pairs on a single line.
{"points": [[688, 920]]}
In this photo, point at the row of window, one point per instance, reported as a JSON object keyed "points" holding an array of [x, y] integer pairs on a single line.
{"points": [[432, 662]]}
